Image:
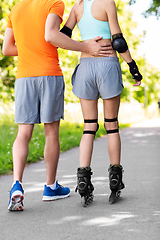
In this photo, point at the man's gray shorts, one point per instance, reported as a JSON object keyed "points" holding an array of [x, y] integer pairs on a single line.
{"points": [[39, 99], [97, 76]]}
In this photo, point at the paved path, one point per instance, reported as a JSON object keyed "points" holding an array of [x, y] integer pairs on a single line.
{"points": [[136, 216]]}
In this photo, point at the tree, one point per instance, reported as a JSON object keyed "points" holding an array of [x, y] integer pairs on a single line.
{"points": [[69, 59], [7, 63], [154, 8]]}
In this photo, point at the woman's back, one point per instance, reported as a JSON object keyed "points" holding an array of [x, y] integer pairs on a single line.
{"points": [[98, 10], [92, 20], [89, 26]]}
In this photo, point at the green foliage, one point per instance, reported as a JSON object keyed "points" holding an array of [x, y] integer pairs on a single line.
{"points": [[69, 59], [7, 63], [154, 8]]}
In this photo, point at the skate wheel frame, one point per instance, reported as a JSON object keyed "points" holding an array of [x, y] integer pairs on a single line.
{"points": [[114, 196], [86, 200]]}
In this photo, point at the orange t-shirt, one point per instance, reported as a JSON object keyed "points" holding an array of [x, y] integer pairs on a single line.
{"points": [[36, 57]]}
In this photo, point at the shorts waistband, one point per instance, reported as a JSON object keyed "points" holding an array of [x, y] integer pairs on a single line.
{"points": [[99, 59]]}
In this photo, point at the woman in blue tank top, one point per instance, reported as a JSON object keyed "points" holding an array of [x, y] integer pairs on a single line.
{"points": [[100, 76]]}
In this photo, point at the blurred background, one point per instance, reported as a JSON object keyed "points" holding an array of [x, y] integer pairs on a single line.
{"points": [[139, 21]]}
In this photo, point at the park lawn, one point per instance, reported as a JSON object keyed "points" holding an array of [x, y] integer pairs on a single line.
{"points": [[70, 135]]}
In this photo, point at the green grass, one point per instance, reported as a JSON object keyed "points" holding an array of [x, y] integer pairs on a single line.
{"points": [[70, 135]]}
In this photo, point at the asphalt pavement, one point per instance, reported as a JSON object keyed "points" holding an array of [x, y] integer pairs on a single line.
{"points": [[136, 216]]}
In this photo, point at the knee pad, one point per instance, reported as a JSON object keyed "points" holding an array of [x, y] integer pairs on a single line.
{"points": [[112, 130], [90, 131]]}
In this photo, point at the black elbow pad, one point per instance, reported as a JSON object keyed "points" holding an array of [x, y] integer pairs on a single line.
{"points": [[67, 31], [119, 43]]}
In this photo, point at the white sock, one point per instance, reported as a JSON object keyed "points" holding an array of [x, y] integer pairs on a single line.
{"points": [[53, 186]]}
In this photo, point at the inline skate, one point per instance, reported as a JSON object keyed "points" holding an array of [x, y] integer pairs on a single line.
{"points": [[84, 185], [115, 182]]}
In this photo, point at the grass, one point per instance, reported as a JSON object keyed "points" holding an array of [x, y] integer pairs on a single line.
{"points": [[70, 135]]}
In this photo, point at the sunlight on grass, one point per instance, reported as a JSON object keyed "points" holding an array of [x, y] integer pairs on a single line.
{"points": [[70, 135]]}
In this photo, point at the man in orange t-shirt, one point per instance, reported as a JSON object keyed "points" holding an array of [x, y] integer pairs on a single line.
{"points": [[33, 35]]}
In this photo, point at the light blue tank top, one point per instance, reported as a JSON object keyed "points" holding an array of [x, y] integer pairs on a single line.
{"points": [[90, 27]]}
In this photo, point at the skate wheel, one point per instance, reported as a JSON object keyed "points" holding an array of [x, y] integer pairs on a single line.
{"points": [[118, 193], [86, 200], [114, 196], [83, 201]]}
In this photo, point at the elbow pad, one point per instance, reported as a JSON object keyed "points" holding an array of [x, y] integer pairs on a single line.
{"points": [[119, 43], [67, 31]]}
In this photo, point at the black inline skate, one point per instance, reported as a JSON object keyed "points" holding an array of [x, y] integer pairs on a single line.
{"points": [[115, 182], [84, 185]]}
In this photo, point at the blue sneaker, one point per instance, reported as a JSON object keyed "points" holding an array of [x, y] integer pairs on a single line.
{"points": [[59, 192], [16, 197]]}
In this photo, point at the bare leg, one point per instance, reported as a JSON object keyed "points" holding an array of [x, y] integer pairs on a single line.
{"points": [[89, 111], [51, 150], [21, 149], [111, 108]]}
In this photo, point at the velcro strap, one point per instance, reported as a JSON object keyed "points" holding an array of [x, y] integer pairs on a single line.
{"points": [[90, 120], [112, 131], [111, 120], [118, 35], [89, 132]]}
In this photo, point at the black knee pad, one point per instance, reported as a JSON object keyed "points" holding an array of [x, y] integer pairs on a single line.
{"points": [[91, 121], [112, 130]]}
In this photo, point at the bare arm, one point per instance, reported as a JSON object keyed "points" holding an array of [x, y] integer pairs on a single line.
{"points": [[58, 39], [9, 46], [115, 29], [72, 20]]}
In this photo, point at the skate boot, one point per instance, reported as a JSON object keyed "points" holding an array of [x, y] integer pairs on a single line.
{"points": [[84, 185], [115, 182]]}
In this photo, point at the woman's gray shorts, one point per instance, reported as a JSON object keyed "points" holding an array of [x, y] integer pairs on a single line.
{"points": [[97, 76], [39, 99]]}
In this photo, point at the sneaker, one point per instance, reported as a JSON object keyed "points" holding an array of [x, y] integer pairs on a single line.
{"points": [[57, 193], [16, 197]]}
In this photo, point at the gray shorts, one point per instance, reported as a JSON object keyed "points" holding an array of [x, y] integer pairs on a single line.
{"points": [[97, 76], [39, 99]]}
